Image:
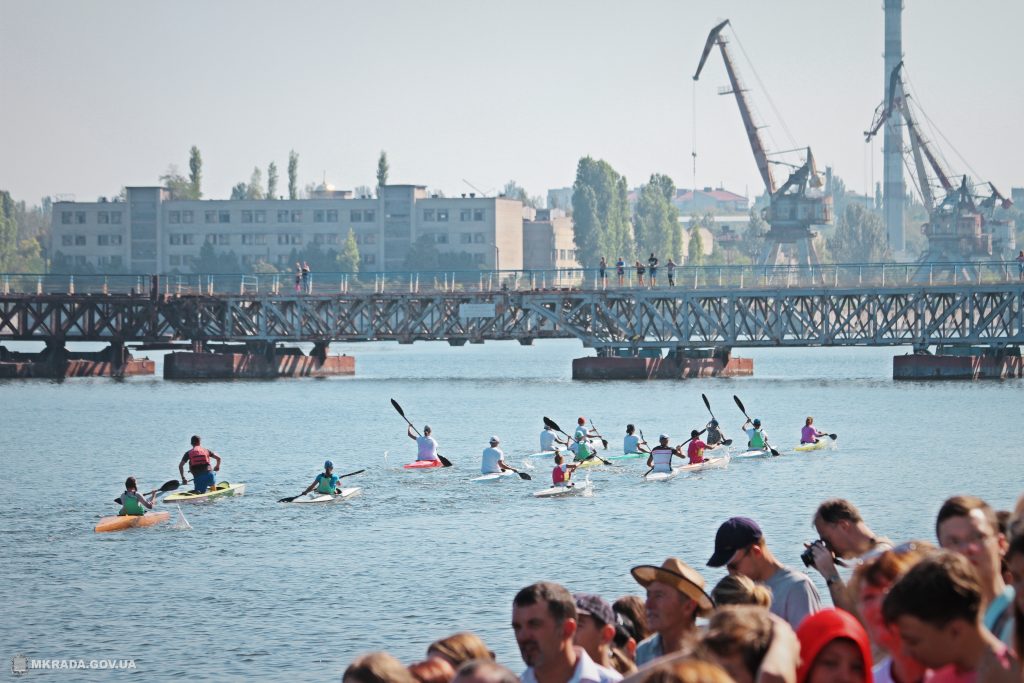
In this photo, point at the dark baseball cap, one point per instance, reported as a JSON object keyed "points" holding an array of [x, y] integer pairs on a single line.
{"points": [[595, 606], [735, 534]]}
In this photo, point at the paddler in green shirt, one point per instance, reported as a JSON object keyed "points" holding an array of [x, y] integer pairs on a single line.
{"points": [[582, 452], [132, 503]]}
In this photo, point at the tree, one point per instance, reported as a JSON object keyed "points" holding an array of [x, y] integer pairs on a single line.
{"points": [[424, 256], [696, 246], [656, 224], [239, 191], [176, 184], [293, 175], [860, 237], [513, 190], [362, 192], [264, 267], [348, 259], [272, 181], [382, 170], [255, 188], [8, 233], [601, 213], [214, 262], [195, 173], [753, 238]]}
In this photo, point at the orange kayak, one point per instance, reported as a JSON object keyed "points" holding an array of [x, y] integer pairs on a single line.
{"points": [[121, 522]]}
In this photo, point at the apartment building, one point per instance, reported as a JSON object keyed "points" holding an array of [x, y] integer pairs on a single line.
{"points": [[548, 242]]}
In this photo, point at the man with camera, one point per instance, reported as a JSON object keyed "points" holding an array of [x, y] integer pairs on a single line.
{"points": [[843, 535]]}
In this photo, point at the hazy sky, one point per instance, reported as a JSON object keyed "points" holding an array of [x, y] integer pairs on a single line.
{"points": [[97, 95]]}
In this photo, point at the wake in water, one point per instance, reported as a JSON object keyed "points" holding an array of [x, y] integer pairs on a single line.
{"points": [[181, 524]]}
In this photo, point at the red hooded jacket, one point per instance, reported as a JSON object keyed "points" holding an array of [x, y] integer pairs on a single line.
{"points": [[820, 629]]}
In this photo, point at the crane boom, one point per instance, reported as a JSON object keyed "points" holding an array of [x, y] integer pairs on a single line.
{"points": [[753, 134]]}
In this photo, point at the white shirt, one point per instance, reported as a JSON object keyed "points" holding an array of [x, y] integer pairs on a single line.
{"points": [[586, 671], [662, 458], [492, 456], [750, 434], [547, 440], [426, 448], [631, 444]]}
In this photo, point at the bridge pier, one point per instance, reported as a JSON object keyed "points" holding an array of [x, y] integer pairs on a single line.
{"points": [[56, 361], [256, 360], [677, 364], [959, 362]]}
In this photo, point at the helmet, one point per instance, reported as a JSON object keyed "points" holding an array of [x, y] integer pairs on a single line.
{"points": [[328, 465], [714, 422], [580, 421]]}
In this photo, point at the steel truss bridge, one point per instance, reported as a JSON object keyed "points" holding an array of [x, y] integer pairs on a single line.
{"points": [[608, 320]]}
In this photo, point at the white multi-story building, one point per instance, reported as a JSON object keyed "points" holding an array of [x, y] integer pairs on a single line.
{"points": [[152, 233]]}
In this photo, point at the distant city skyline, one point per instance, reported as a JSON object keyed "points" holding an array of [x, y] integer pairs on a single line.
{"points": [[100, 95]]}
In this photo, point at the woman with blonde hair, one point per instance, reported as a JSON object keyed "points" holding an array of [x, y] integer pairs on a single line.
{"points": [[459, 648], [432, 670], [736, 589], [376, 667]]}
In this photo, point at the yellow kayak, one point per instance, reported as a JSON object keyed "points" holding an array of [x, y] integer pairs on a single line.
{"points": [[221, 489], [822, 443], [121, 522]]}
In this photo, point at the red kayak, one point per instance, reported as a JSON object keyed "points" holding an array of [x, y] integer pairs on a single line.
{"points": [[423, 465]]}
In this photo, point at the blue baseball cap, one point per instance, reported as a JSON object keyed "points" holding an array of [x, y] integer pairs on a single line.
{"points": [[328, 465], [735, 534]]}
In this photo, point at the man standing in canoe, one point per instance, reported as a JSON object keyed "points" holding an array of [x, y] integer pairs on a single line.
{"points": [[426, 446], [198, 459], [756, 437], [660, 459], [132, 503], [493, 460], [326, 482]]}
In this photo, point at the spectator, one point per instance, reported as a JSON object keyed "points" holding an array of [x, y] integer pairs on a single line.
{"points": [[737, 639], [376, 667], [652, 264], [936, 607], [1015, 560], [544, 622], [620, 270], [685, 671], [670, 269], [845, 535], [595, 632], [459, 648], [675, 598], [484, 671], [433, 670], [736, 589], [868, 587], [967, 525], [632, 608], [602, 268], [640, 270], [1020, 265], [834, 648], [740, 547]]}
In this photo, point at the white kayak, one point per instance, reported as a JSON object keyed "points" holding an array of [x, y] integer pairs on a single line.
{"points": [[663, 476], [595, 446], [314, 497], [493, 476], [708, 464], [752, 453], [574, 489]]}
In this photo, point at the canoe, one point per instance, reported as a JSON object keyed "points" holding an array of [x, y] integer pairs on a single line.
{"points": [[576, 489], [314, 497], [222, 489], [824, 442], [752, 453], [122, 522], [423, 465], [493, 476]]}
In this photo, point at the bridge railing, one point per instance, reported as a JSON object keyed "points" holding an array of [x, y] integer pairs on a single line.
{"points": [[746, 277]]}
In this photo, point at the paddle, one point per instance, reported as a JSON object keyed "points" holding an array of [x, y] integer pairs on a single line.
{"points": [[644, 476], [168, 486], [643, 441], [743, 410], [604, 441], [291, 498], [522, 475], [444, 461], [551, 423]]}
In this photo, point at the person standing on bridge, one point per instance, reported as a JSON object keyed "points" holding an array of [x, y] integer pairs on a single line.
{"points": [[670, 269], [426, 445], [198, 459], [640, 270], [307, 284], [620, 270], [652, 263], [602, 270], [1020, 265]]}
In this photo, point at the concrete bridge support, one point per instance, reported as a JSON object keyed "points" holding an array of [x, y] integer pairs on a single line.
{"points": [[56, 361], [256, 360]]}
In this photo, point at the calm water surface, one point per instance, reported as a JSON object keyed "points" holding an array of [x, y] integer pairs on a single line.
{"points": [[266, 591]]}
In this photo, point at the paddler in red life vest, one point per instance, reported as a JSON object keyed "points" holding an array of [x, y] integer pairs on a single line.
{"points": [[198, 459], [561, 474]]}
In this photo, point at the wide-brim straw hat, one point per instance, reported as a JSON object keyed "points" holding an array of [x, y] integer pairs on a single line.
{"points": [[681, 576]]}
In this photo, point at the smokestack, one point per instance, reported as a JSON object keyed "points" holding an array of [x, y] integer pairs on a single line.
{"points": [[894, 189]]}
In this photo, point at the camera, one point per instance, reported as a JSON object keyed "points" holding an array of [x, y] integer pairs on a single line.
{"points": [[808, 554]]}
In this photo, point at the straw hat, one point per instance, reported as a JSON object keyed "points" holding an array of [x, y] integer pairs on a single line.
{"points": [[681, 576]]}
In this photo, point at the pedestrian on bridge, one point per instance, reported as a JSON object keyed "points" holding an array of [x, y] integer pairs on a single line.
{"points": [[670, 268], [1020, 264], [640, 270], [620, 269], [601, 268], [652, 262]]}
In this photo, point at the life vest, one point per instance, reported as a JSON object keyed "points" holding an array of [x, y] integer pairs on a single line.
{"points": [[325, 484], [198, 457], [582, 451], [130, 504], [558, 475], [756, 439]]}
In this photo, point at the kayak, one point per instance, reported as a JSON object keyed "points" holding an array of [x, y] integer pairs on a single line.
{"points": [[575, 489], [752, 453], [423, 465], [822, 443], [314, 497], [626, 456], [663, 476], [493, 476], [595, 446], [122, 522], [220, 490], [708, 464]]}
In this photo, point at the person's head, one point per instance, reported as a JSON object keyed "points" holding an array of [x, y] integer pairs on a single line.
{"points": [[432, 670], [130, 484], [1015, 563], [595, 624], [686, 671], [736, 589], [934, 607], [809, 421], [459, 648], [838, 521], [834, 648], [757, 422], [195, 439], [328, 466], [714, 422], [739, 543], [871, 582], [580, 421], [484, 671], [968, 525], [376, 667], [633, 615], [663, 439], [547, 427], [494, 441], [559, 459], [544, 622], [426, 430], [694, 433], [675, 595], [630, 429], [737, 639]]}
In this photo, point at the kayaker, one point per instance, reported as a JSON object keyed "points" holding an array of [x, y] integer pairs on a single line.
{"points": [[660, 459], [632, 443], [426, 445], [714, 433], [326, 482], [581, 449], [493, 459], [756, 437], [198, 459], [695, 451], [581, 428], [562, 472], [132, 502], [810, 433], [549, 441]]}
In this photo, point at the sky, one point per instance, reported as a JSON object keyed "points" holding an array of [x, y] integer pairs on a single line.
{"points": [[99, 95]]}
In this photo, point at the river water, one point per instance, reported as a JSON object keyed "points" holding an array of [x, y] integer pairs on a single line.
{"points": [[261, 590]]}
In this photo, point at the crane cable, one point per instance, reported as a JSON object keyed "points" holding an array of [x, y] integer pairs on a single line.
{"points": [[693, 147], [771, 102], [935, 129]]}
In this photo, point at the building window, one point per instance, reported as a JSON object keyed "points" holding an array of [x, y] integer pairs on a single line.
{"points": [[175, 238], [442, 215], [465, 238], [115, 261], [188, 238], [65, 217], [370, 239], [246, 215], [478, 258], [80, 261], [282, 238], [318, 215], [115, 217], [210, 216], [224, 216], [115, 239], [465, 215], [186, 217], [369, 259], [369, 216], [248, 238], [282, 215], [260, 215], [478, 237], [79, 240], [356, 216], [67, 240], [296, 238], [223, 238], [102, 240], [428, 214], [478, 214], [261, 239], [174, 217], [332, 215], [80, 217], [297, 216], [441, 238], [103, 217], [175, 260]]}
